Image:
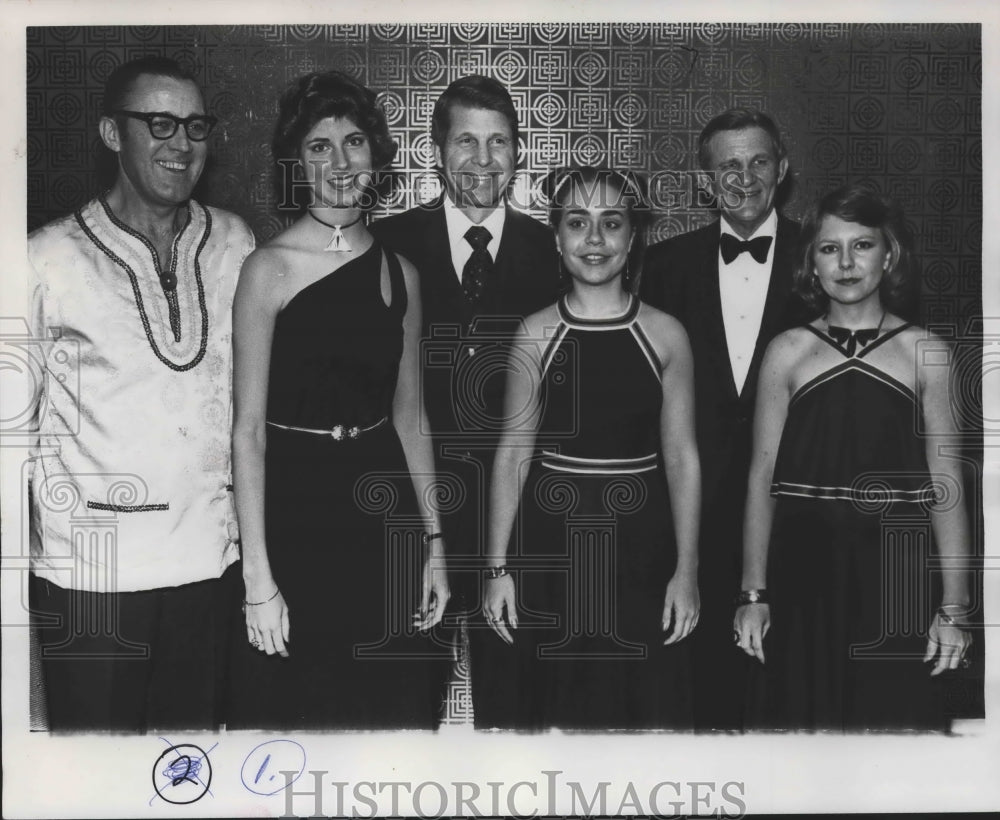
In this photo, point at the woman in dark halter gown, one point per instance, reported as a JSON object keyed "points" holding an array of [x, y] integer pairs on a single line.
{"points": [[331, 470], [850, 496], [596, 488]]}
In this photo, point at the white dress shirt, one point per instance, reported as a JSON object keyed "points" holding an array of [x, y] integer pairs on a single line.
{"points": [[743, 287], [458, 223]]}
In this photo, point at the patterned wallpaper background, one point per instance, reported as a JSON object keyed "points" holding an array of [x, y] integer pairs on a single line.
{"points": [[897, 105]]}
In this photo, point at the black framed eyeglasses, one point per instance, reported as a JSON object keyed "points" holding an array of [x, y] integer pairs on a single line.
{"points": [[163, 126]]}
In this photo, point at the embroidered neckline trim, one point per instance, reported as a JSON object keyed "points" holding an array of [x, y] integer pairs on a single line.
{"points": [[134, 280]]}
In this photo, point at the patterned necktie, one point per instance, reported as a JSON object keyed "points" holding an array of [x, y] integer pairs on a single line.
{"points": [[732, 247], [848, 340], [479, 269]]}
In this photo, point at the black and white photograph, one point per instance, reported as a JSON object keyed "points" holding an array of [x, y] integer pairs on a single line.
{"points": [[477, 412]]}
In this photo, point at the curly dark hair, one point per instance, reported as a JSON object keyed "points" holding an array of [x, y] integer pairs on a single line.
{"points": [[314, 97], [859, 203], [632, 197]]}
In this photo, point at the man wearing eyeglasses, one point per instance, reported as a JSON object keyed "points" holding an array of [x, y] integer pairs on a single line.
{"points": [[133, 528]]}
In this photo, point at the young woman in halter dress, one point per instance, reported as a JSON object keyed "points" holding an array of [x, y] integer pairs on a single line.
{"points": [[332, 469], [592, 558], [850, 495]]}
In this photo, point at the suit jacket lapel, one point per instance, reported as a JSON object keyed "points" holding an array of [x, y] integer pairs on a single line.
{"points": [[715, 329], [441, 292], [505, 260], [510, 266], [436, 244], [778, 289]]}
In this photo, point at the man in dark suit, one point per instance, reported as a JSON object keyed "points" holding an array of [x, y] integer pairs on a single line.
{"points": [[730, 285], [483, 267]]}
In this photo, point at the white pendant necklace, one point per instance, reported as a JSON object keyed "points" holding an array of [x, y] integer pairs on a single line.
{"points": [[338, 242]]}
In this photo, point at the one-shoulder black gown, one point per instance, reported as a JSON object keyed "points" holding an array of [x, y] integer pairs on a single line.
{"points": [[343, 535]]}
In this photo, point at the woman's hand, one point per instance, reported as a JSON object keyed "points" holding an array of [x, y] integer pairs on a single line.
{"points": [[499, 597], [267, 623], [681, 605], [750, 625], [948, 642], [434, 592]]}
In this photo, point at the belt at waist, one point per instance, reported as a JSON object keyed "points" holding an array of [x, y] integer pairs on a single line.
{"points": [[338, 432]]}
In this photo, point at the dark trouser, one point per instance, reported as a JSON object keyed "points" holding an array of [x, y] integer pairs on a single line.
{"points": [[719, 666], [133, 661], [492, 678], [464, 524]]}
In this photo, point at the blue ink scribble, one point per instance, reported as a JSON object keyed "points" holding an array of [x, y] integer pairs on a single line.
{"points": [[264, 768], [189, 764], [181, 768]]}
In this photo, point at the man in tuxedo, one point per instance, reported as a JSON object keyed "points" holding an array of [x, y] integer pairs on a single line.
{"points": [[729, 283], [483, 267]]}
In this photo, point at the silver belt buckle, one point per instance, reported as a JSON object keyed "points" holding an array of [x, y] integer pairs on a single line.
{"points": [[339, 432]]}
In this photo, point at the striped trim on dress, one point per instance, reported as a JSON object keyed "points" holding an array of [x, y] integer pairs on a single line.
{"points": [[598, 466], [864, 493]]}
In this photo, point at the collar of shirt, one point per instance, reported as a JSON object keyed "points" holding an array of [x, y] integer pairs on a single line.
{"points": [[768, 228], [458, 223]]}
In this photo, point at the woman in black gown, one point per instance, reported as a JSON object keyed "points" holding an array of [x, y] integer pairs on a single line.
{"points": [[341, 560], [850, 494], [596, 488]]}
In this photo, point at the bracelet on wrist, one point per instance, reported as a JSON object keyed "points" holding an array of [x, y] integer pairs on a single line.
{"points": [[261, 603], [492, 573], [427, 537], [751, 596], [956, 618]]}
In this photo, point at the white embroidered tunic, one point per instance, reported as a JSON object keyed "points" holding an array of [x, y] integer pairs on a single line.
{"points": [[132, 481]]}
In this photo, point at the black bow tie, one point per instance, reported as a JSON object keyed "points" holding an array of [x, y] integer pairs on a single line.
{"points": [[848, 340], [732, 247]]}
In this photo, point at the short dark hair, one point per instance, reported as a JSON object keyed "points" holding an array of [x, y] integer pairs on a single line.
{"points": [[314, 97], [121, 80], [633, 197], [736, 119], [472, 91], [116, 90], [859, 203]]}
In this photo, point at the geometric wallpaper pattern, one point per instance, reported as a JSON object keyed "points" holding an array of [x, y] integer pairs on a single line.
{"points": [[896, 105]]}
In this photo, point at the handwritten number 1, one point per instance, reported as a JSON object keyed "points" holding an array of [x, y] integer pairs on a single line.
{"points": [[263, 766]]}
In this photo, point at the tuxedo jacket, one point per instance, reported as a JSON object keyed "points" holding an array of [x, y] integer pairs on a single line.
{"points": [[464, 348], [681, 277]]}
